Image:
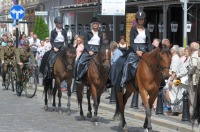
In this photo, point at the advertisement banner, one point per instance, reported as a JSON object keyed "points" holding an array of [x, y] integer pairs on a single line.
{"points": [[113, 7]]}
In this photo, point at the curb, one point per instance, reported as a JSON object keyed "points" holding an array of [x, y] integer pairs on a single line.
{"points": [[181, 127]]}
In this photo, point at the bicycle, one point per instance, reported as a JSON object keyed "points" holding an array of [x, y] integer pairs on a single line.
{"points": [[10, 76], [28, 81]]}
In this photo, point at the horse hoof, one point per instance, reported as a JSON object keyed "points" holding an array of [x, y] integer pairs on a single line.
{"points": [[146, 130], [116, 118], [45, 107], [89, 115], [53, 108], [96, 123], [125, 129]]}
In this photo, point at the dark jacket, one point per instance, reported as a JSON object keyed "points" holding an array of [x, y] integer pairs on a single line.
{"points": [[134, 33], [88, 35], [54, 34]]}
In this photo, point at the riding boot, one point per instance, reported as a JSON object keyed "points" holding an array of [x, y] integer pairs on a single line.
{"points": [[4, 79]]}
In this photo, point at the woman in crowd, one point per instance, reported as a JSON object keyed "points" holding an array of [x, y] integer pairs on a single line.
{"points": [[79, 45], [181, 54], [47, 44]]}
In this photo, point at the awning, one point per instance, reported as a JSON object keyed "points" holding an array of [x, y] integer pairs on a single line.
{"points": [[78, 7]]}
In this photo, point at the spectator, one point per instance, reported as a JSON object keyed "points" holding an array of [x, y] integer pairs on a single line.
{"points": [[105, 40], [5, 38], [155, 42], [40, 53], [31, 34], [75, 39], [47, 44], [34, 43], [79, 45], [172, 93], [22, 40], [123, 46], [192, 74], [181, 54], [116, 53], [166, 42]]}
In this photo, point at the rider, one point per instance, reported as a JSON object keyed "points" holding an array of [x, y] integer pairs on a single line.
{"points": [[58, 40], [23, 55], [93, 39], [125, 67], [7, 55]]}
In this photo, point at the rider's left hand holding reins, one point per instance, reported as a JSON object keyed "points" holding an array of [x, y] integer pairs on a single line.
{"points": [[139, 53]]}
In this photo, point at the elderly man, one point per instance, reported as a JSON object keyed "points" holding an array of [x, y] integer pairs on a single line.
{"points": [[172, 92], [192, 73]]}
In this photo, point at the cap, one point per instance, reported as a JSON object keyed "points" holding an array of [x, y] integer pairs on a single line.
{"points": [[140, 15], [9, 40], [26, 42], [58, 20], [95, 19]]}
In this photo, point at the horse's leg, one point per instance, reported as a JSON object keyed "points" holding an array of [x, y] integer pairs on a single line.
{"points": [[144, 96], [120, 99], [45, 91], [69, 98], [89, 114], [79, 93], [94, 93], [54, 96], [57, 86], [117, 111]]}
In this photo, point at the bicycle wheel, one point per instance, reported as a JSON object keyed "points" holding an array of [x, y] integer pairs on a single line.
{"points": [[30, 85]]}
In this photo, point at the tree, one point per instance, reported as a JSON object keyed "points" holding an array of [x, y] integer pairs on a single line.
{"points": [[41, 28]]}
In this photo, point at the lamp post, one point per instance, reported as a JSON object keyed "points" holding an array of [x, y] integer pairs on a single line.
{"points": [[121, 28], [189, 27], [174, 28], [160, 27], [150, 27], [103, 27]]}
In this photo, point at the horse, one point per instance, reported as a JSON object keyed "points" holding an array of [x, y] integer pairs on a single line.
{"points": [[96, 78], [151, 67], [63, 71]]}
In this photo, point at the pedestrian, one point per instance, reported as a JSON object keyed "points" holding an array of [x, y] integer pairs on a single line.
{"points": [[192, 74], [155, 43], [34, 44], [116, 53], [93, 40], [40, 53], [79, 45], [47, 44], [172, 91], [124, 69], [105, 40], [22, 40]]}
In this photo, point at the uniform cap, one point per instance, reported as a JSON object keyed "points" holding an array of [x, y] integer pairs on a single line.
{"points": [[140, 15], [9, 40], [58, 20], [26, 42]]}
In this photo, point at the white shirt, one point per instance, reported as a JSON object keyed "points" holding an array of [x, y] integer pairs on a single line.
{"points": [[36, 42], [141, 37], [60, 37], [40, 51], [175, 64], [95, 40]]}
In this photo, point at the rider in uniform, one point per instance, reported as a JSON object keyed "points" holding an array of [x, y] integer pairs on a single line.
{"points": [[125, 67], [58, 40], [23, 55], [7, 55], [93, 40]]}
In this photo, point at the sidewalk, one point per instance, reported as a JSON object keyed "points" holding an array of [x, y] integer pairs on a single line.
{"points": [[172, 122]]}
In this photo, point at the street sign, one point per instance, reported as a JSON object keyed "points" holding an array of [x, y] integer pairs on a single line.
{"points": [[41, 13], [17, 12]]}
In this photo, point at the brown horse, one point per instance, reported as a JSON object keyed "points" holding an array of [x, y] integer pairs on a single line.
{"points": [[151, 67], [96, 78], [63, 71]]}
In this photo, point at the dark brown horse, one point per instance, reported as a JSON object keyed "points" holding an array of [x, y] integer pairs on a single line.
{"points": [[63, 71], [96, 78], [152, 66]]}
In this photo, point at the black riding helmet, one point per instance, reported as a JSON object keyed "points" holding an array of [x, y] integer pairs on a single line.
{"points": [[95, 19], [140, 15], [58, 20]]}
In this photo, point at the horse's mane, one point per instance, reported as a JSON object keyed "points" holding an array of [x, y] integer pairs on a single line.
{"points": [[63, 52], [164, 49]]}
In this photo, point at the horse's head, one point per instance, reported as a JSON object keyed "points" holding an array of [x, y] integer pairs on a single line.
{"points": [[105, 56], [71, 55], [164, 60]]}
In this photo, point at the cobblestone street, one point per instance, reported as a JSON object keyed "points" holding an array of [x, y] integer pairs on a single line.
{"points": [[21, 114]]}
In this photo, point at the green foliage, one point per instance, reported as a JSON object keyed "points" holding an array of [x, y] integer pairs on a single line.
{"points": [[41, 28]]}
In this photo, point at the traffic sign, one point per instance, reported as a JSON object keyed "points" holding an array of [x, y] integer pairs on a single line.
{"points": [[17, 12], [41, 13]]}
